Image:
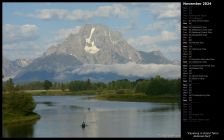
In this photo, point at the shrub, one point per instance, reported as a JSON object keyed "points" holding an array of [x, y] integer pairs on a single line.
{"points": [[18, 103], [120, 91]]}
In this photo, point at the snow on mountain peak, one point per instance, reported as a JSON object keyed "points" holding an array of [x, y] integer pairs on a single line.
{"points": [[98, 44], [90, 47]]}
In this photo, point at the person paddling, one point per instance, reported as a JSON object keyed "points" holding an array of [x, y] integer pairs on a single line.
{"points": [[83, 124]]}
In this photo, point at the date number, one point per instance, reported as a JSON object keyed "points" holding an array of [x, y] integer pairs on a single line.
{"points": [[207, 3]]}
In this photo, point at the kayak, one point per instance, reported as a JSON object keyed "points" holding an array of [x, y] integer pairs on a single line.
{"points": [[83, 125]]}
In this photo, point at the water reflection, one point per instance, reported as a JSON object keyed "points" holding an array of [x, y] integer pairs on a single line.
{"points": [[25, 130], [171, 107], [72, 107], [61, 116], [47, 103]]}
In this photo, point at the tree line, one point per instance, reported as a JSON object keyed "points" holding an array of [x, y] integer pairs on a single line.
{"points": [[154, 86]]}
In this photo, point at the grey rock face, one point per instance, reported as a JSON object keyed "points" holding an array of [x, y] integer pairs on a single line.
{"points": [[8, 67], [22, 62], [113, 48], [53, 63], [155, 57], [11, 67]]}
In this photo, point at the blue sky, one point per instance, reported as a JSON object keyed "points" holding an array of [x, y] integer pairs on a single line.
{"points": [[30, 28]]}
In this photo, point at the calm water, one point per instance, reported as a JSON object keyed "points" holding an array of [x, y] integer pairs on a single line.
{"points": [[61, 116]]}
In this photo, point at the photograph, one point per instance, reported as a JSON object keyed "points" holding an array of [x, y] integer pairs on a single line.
{"points": [[91, 69]]}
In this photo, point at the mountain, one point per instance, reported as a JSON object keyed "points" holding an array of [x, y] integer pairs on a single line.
{"points": [[103, 73], [12, 67], [53, 62], [97, 44], [155, 57], [22, 62], [8, 67], [93, 45], [48, 67], [65, 77]]}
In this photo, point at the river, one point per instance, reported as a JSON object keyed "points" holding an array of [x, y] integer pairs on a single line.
{"points": [[61, 116]]}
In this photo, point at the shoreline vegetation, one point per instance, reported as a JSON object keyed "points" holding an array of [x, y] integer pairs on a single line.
{"points": [[18, 104], [110, 95], [18, 108], [13, 119], [139, 97]]}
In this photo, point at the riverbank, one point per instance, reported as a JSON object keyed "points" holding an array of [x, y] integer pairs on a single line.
{"points": [[59, 92], [139, 97], [111, 95], [70, 111], [10, 118], [18, 108]]}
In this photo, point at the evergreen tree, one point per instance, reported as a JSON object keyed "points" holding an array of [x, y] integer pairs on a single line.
{"points": [[62, 86], [47, 84], [10, 86]]}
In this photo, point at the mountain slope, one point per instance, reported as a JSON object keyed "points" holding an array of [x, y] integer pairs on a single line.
{"points": [[155, 57], [22, 62], [95, 45], [8, 67], [48, 67]]}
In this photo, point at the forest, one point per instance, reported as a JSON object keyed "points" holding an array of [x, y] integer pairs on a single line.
{"points": [[154, 86]]}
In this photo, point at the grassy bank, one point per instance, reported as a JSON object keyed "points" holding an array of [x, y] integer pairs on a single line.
{"points": [[18, 108], [59, 92], [139, 97], [10, 118], [111, 95]]}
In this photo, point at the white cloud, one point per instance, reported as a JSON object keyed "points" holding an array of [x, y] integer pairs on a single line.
{"points": [[104, 11], [166, 36], [150, 40], [60, 35], [23, 50], [133, 69], [154, 26], [119, 10], [65, 32], [160, 10], [167, 42], [51, 13], [173, 52], [116, 10], [165, 10], [19, 33], [160, 25], [29, 49], [79, 15], [173, 49]]}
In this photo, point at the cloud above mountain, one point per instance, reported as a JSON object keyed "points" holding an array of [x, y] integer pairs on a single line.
{"points": [[164, 10], [18, 33], [170, 10], [117, 10], [148, 40], [46, 24]]}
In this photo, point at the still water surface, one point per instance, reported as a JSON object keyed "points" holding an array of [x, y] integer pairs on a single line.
{"points": [[61, 116]]}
